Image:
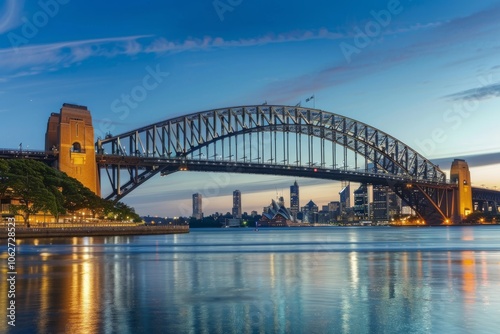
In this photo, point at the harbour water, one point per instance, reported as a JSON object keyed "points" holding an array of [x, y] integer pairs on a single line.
{"points": [[283, 280]]}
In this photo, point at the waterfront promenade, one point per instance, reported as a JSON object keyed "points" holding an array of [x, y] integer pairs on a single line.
{"points": [[96, 230]]}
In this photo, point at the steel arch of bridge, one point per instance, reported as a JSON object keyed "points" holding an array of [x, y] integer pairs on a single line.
{"points": [[266, 139]]}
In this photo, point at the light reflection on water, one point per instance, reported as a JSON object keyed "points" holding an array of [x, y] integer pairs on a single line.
{"points": [[320, 280]]}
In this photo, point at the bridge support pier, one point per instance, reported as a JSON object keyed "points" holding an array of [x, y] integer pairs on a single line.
{"points": [[71, 134], [435, 204], [460, 176]]}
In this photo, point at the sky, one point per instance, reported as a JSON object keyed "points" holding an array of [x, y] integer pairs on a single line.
{"points": [[426, 72]]}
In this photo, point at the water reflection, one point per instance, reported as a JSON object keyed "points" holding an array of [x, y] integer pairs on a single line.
{"points": [[314, 281]]}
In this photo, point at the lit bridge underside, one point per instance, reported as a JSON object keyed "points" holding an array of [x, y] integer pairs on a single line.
{"points": [[276, 140], [486, 200]]}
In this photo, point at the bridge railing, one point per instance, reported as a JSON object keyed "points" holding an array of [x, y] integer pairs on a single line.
{"points": [[185, 162], [10, 151]]}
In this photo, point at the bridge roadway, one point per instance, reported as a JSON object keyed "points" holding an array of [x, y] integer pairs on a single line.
{"points": [[6, 153], [170, 165]]}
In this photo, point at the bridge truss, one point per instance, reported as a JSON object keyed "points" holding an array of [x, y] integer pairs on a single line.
{"points": [[279, 140]]}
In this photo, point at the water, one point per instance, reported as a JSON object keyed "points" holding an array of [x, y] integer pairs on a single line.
{"points": [[302, 280]]}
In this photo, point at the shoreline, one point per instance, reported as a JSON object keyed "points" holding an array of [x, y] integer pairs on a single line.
{"points": [[449, 225], [68, 232]]}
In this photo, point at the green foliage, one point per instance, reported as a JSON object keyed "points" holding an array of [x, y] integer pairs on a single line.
{"points": [[479, 217], [26, 183], [4, 177], [121, 211], [40, 188]]}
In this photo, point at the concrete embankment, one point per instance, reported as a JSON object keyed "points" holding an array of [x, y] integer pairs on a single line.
{"points": [[22, 232]]}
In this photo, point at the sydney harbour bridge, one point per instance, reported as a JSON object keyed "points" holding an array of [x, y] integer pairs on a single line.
{"points": [[267, 139]]}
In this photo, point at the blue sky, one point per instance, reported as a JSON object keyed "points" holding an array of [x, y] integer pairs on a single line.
{"points": [[427, 72]]}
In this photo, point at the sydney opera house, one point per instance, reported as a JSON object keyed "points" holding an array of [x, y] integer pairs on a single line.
{"points": [[276, 215]]}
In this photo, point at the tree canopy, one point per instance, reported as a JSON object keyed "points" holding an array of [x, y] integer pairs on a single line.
{"points": [[40, 188]]}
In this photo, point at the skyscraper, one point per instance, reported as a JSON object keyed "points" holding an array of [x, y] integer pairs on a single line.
{"points": [[380, 202], [237, 204], [361, 202], [385, 203], [294, 199], [197, 207], [310, 211], [345, 198]]}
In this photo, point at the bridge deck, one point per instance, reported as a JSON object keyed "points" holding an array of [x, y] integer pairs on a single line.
{"points": [[227, 166]]}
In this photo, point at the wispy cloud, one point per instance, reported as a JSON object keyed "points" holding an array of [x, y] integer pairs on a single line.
{"points": [[477, 94], [34, 59], [474, 160], [10, 15], [47, 56], [163, 45]]}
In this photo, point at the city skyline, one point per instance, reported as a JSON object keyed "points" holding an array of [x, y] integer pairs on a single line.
{"points": [[380, 197], [426, 73]]}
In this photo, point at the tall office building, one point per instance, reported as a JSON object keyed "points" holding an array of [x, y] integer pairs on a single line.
{"points": [[294, 199], [197, 207], [237, 204], [334, 210], [385, 203], [310, 212], [345, 198], [361, 208]]}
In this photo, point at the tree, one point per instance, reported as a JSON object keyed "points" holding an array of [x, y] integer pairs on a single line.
{"points": [[53, 180], [40, 188], [26, 184], [5, 177]]}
